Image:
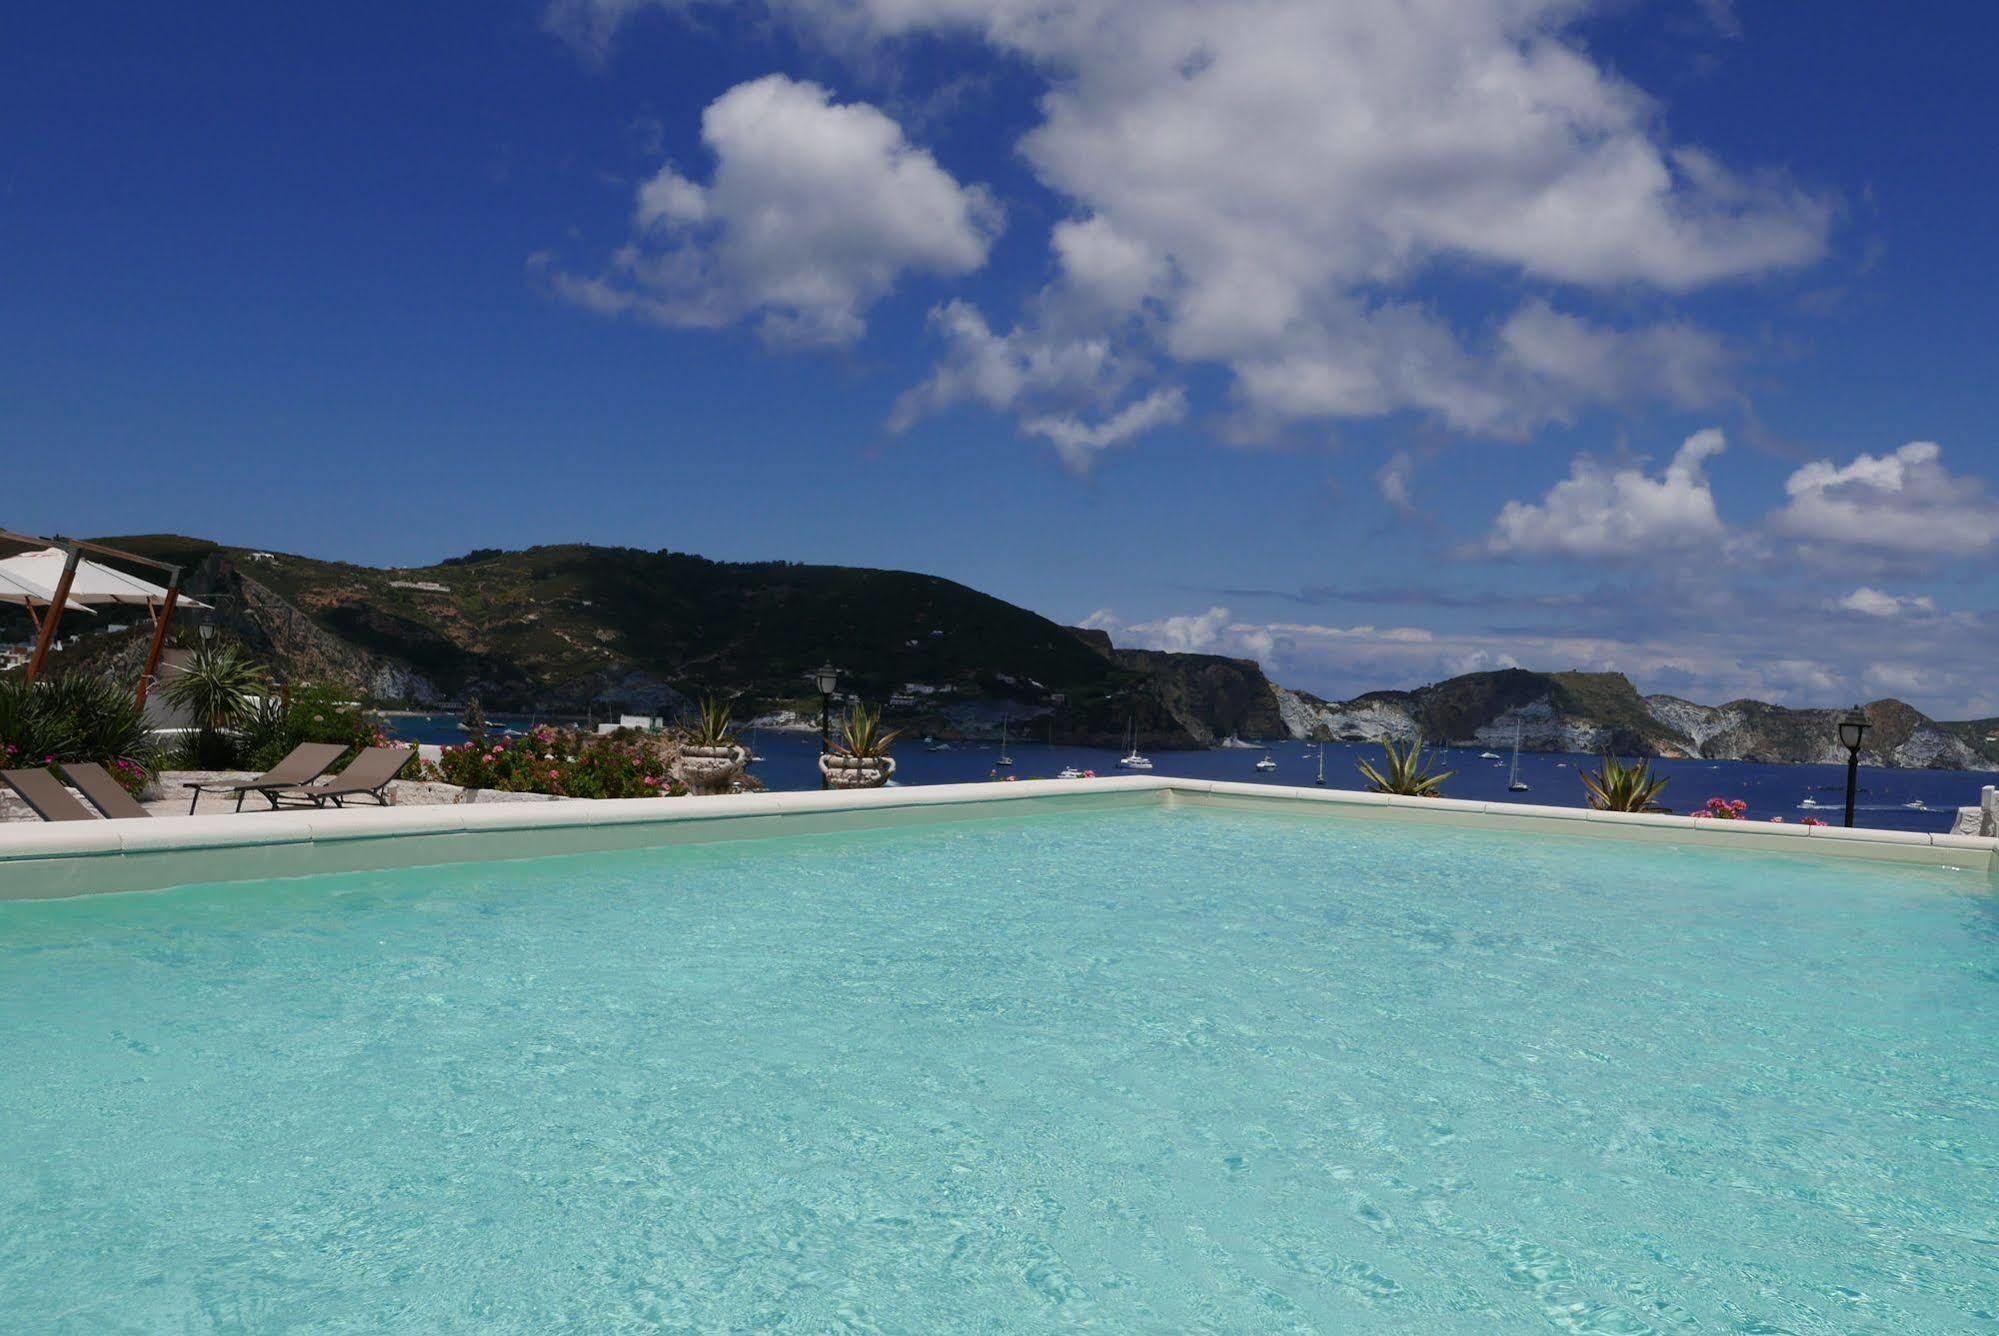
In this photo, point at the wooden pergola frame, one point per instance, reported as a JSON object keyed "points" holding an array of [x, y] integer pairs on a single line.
{"points": [[45, 625]]}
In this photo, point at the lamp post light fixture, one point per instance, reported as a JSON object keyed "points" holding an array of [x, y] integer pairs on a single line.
{"points": [[827, 678], [1853, 729], [207, 632]]}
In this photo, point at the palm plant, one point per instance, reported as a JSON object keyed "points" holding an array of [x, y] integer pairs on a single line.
{"points": [[862, 734], [1618, 787], [1406, 771], [712, 726], [219, 685]]}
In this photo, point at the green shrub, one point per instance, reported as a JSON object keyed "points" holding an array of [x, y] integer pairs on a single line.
{"points": [[314, 712], [30, 733], [76, 717]]}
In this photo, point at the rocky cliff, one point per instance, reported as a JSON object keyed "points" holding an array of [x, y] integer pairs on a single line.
{"points": [[1603, 712]]}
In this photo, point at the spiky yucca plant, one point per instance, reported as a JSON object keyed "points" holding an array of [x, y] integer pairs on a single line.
{"points": [[1618, 787], [862, 734], [219, 685], [1405, 770], [712, 726]]}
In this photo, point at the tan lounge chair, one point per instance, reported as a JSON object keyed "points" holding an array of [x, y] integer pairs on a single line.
{"points": [[366, 776], [307, 762], [104, 793], [44, 793]]}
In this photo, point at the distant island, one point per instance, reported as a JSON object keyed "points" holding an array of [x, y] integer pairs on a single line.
{"points": [[578, 629]]}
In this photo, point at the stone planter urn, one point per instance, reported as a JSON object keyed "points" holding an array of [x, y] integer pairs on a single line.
{"points": [[711, 769], [856, 772]]}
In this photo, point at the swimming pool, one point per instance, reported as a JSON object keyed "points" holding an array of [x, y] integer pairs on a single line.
{"points": [[1162, 1068]]}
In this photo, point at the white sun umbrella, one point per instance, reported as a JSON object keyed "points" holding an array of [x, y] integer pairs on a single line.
{"points": [[18, 589], [39, 573]]}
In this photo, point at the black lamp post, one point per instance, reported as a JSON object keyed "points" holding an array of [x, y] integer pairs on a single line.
{"points": [[827, 678], [1853, 728]]}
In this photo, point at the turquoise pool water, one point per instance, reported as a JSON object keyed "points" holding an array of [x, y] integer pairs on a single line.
{"points": [[1161, 1070]]}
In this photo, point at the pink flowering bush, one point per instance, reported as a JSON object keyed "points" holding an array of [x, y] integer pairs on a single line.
{"points": [[131, 776], [563, 762], [1723, 809]]}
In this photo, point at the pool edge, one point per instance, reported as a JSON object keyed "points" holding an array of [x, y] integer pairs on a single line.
{"points": [[103, 857]]}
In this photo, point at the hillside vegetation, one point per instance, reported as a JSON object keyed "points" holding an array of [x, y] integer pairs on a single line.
{"points": [[575, 628]]}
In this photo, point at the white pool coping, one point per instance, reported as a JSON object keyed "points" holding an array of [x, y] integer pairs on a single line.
{"points": [[89, 858]]}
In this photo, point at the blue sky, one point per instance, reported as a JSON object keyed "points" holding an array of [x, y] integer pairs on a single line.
{"points": [[1379, 341]]}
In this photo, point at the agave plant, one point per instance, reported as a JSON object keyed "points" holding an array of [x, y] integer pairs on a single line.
{"points": [[1406, 771], [712, 726], [862, 734], [1618, 787]]}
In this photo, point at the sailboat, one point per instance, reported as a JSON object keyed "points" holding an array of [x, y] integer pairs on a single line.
{"points": [[1515, 784], [1003, 758], [755, 754], [1133, 760], [1322, 762]]}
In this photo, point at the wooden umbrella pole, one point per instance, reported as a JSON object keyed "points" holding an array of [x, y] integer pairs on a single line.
{"points": [[54, 614], [160, 625]]}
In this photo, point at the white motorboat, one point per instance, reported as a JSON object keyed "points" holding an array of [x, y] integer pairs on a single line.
{"points": [[1266, 763], [1068, 772], [1488, 756]]}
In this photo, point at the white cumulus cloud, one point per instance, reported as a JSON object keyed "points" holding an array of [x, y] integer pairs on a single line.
{"points": [[1599, 512], [1904, 504], [1079, 442], [1271, 187], [815, 210], [1874, 603]]}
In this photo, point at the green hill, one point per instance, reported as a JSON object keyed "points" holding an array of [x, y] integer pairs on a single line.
{"points": [[576, 627]]}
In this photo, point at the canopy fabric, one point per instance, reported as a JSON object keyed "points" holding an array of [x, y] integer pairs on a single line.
{"points": [[26, 593], [32, 577]]}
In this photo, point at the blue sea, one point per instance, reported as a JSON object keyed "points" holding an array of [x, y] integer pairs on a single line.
{"points": [[1554, 778]]}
